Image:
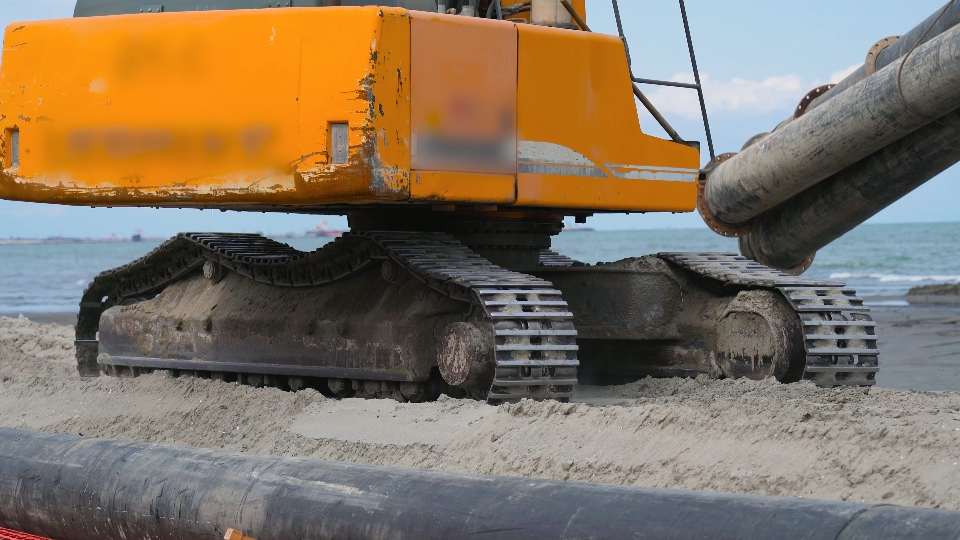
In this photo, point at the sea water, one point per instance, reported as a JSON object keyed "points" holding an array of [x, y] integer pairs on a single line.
{"points": [[874, 259]]}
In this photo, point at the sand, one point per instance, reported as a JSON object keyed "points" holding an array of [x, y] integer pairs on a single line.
{"points": [[875, 445], [919, 347], [939, 289]]}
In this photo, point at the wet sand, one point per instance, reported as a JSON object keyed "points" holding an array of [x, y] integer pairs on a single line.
{"points": [[919, 346]]}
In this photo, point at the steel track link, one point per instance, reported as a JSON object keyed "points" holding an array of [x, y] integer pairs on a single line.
{"points": [[840, 336], [535, 339], [533, 327], [554, 259]]}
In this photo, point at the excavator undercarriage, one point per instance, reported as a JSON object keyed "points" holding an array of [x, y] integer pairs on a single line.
{"points": [[411, 315]]}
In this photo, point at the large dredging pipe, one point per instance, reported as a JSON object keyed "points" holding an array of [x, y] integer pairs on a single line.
{"points": [[74, 488], [886, 52], [789, 234], [868, 116]]}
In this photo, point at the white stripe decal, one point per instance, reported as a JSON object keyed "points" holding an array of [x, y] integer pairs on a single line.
{"points": [[562, 170], [651, 168], [649, 172], [552, 158], [544, 152]]}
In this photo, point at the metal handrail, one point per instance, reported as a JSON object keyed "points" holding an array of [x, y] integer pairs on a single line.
{"points": [[696, 78], [693, 86], [666, 83], [636, 89]]}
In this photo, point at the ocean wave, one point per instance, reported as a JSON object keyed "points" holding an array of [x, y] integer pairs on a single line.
{"points": [[893, 278]]}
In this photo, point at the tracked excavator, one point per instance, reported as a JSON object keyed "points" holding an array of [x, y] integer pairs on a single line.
{"points": [[455, 137]]}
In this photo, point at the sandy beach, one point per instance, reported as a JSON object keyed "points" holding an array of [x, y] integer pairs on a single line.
{"points": [[897, 443], [920, 345]]}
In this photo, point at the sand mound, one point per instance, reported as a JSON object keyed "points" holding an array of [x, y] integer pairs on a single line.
{"points": [[873, 445], [939, 289]]}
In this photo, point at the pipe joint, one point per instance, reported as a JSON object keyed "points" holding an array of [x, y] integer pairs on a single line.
{"points": [[751, 247], [716, 225]]}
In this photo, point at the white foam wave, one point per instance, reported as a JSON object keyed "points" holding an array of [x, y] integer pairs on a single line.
{"points": [[894, 278]]}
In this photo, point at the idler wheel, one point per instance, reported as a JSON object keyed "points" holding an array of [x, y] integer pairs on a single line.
{"points": [[466, 355], [390, 271], [213, 271], [759, 336]]}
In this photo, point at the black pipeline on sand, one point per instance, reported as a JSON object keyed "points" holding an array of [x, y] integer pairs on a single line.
{"points": [[75, 488]]}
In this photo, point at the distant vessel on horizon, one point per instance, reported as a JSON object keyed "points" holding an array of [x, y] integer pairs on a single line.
{"points": [[577, 228], [323, 230]]}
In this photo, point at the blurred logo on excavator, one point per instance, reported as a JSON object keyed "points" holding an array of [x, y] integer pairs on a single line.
{"points": [[463, 104]]}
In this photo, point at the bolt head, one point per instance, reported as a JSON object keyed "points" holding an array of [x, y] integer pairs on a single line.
{"points": [[389, 271]]}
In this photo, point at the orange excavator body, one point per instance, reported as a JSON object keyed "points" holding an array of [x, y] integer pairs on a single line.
{"points": [[324, 110]]}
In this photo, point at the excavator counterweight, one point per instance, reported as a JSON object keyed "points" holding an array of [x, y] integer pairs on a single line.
{"points": [[323, 109]]}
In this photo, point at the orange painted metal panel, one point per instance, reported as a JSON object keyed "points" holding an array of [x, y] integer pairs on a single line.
{"points": [[464, 95], [610, 194], [580, 140], [379, 164], [207, 108], [463, 187]]}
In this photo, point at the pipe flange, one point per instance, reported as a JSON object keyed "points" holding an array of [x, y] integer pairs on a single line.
{"points": [[870, 64], [750, 248], [717, 226], [803, 267], [808, 99]]}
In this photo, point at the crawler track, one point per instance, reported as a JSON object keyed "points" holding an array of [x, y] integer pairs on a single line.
{"points": [[535, 338], [535, 341], [840, 336]]}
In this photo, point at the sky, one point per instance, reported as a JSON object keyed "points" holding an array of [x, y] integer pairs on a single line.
{"points": [[757, 58]]}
